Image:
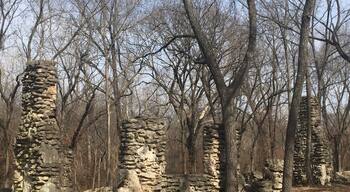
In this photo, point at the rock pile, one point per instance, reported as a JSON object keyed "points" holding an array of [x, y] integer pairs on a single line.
{"points": [[100, 189], [342, 177], [143, 143], [320, 153], [38, 148], [189, 183]]}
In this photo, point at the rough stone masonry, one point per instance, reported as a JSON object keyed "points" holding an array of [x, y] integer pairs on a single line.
{"points": [[143, 144], [269, 181], [320, 152], [42, 163]]}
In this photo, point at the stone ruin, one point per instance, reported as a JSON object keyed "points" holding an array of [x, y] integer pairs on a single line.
{"points": [[214, 161], [142, 153], [269, 181], [42, 162], [143, 145], [214, 154], [320, 152]]}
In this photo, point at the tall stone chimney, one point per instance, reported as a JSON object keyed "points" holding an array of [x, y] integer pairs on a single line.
{"points": [[321, 165], [42, 163]]}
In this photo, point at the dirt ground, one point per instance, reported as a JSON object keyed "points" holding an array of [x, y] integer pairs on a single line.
{"points": [[334, 188]]}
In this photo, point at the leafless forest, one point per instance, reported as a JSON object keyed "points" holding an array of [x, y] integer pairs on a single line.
{"points": [[245, 65]]}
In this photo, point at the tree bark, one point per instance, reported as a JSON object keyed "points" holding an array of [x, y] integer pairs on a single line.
{"points": [[7, 168], [108, 124], [293, 112], [337, 165], [286, 52], [192, 153], [94, 170], [231, 183], [193, 160]]}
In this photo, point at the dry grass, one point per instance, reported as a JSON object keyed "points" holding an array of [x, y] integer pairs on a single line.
{"points": [[334, 188]]}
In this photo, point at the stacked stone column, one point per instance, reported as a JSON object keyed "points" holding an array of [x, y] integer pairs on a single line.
{"points": [[37, 149], [214, 159], [275, 167], [143, 143], [66, 169], [320, 152]]}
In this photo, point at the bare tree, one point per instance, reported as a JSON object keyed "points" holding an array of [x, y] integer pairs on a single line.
{"points": [[121, 65], [9, 96], [188, 62], [8, 91], [227, 93], [9, 10]]}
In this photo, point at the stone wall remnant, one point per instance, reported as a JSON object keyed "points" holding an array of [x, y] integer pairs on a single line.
{"points": [[100, 189], [142, 152], [342, 177], [143, 143], [38, 150], [213, 159], [269, 181], [320, 152], [189, 183], [214, 155]]}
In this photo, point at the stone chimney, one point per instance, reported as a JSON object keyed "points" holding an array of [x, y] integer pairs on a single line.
{"points": [[40, 156], [320, 151]]}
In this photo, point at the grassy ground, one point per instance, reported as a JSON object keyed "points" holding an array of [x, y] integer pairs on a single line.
{"points": [[334, 188]]}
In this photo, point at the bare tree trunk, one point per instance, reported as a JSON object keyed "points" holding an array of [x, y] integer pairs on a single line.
{"points": [[286, 51], [75, 174], [293, 112], [255, 139], [231, 183], [89, 150], [95, 170], [336, 154], [271, 133], [192, 154], [99, 173], [183, 147], [273, 145], [108, 124], [185, 155], [117, 96], [7, 167]]}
